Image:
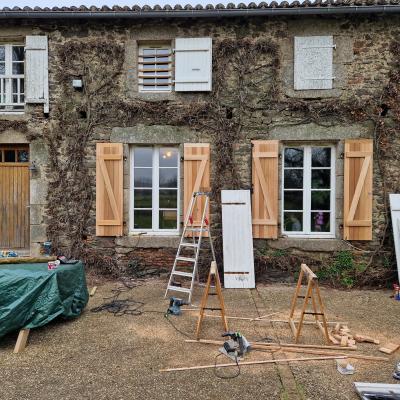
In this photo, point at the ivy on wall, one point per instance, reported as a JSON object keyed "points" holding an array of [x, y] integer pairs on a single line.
{"points": [[246, 84]]}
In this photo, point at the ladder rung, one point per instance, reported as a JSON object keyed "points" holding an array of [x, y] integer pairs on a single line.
{"points": [[188, 259], [189, 244], [181, 273], [179, 289], [197, 229]]}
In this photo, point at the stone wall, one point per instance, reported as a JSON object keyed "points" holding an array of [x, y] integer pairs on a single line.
{"points": [[362, 63]]}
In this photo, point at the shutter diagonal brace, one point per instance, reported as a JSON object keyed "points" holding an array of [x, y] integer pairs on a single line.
{"points": [[108, 187], [263, 184], [357, 192]]}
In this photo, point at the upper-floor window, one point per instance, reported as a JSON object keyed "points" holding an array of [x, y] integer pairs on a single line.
{"points": [[12, 78], [155, 68], [308, 191]]}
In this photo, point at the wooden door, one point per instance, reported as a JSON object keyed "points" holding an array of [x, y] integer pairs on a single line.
{"points": [[14, 197]]}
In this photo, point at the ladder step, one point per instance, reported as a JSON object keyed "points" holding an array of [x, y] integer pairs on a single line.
{"points": [[181, 273], [188, 259], [197, 229], [195, 245], [179, 289]]}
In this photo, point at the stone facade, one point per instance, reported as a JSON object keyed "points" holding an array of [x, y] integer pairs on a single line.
{"points": [[362, 64]]}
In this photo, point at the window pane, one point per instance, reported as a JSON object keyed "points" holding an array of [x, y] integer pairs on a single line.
{"points": [[22, 85], [320, 200], [147, 52], [321, 178], [18, 68], [2, 53], [142, 177], [294, 157], [142, 198], [168, 198], [320, 222], [168, 157], [18, 53], [168, 177], [15, 98], [163, 66], [293, 200], [15, 85], [293, 179], [163, 51], [9, 155], [142, 219], [2, 68], [321, 157], [168, 219], [143, 156], [23, 156], [293, 221]]}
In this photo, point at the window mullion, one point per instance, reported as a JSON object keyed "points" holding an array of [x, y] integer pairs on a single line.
{"points": [[8, 72], [155, 191], [307, 190]]}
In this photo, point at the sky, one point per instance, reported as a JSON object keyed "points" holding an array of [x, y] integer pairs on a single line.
{"points": [[68, 3]]}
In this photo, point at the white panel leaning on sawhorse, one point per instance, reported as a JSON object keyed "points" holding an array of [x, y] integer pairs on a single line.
{"points": [[237, 239], [395, 213]]}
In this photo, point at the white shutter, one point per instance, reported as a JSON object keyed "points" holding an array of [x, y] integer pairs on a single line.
{"points": [[193, 64], [313, 62], [36, 74]]}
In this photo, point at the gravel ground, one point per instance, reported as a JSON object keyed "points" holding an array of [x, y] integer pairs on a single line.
{"points": [[102, 356]]}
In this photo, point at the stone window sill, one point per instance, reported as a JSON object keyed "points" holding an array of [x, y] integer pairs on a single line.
{"points": [[148, 241]]}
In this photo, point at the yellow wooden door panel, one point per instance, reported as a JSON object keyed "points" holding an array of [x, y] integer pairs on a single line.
{"points": [[265, 188], [357, 211]]}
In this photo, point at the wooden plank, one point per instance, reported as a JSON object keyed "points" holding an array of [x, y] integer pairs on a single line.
{"points": [[93, 291], [265, 188], [283, 360], [21, 340], [237, 239], [395, 214], [389, 348]]}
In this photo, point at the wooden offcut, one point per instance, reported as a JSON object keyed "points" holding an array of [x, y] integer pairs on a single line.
{"points": [[21, 340], [109, 189], [313, 293], [357, 212], [26, 260], [196, 178], [265, 188], [213, 277], [389, 348]]}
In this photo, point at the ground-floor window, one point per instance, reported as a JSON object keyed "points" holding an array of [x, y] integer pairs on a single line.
{"points": [[308, 191], [154, 189]]}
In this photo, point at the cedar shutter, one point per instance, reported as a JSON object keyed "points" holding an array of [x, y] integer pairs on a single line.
{"points": [[36, 73], [193, 64], [313, 62], [265, 189], [109, 189], [357, 213], [196, 177]]}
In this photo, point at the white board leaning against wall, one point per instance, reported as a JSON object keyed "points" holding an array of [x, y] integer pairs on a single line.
{"points": [[237, 239], [395, 211]]}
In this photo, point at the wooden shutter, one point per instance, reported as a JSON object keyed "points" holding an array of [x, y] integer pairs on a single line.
{"points": [[358, 189], [313, 62], [193, 64], [196, 177], [109, 189], [265, 189], [36, 73]]}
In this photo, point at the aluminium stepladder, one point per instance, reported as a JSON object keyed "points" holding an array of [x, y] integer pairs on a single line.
{"points": [[190, 263]]}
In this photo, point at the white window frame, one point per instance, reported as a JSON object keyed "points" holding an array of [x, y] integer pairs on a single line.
{"points": [[155, 194], [306, 232], [141, 68], [6, 91]]}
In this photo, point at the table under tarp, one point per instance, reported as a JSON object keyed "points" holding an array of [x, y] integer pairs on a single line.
{"points": [[32, 296]]}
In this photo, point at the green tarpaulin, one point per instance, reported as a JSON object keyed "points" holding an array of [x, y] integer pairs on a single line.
{"points": [[32, 296]]}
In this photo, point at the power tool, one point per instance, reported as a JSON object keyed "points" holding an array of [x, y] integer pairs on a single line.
{"points": [[236, 346], [175, 305]]}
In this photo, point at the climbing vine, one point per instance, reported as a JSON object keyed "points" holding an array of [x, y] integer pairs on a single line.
{"points": [[246, 86]]}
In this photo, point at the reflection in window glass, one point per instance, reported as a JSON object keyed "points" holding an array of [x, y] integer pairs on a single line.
{"points": [[307, 190]]}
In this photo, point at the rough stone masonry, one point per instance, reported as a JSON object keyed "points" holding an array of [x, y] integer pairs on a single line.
{"points": [[363, 65]]}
